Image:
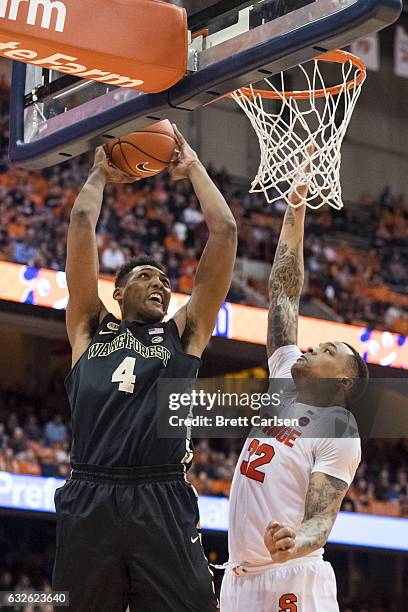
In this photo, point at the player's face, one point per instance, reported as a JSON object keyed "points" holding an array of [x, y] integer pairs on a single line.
{"points": [[146, 294], [328, 360]]}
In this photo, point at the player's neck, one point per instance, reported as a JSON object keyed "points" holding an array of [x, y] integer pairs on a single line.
{"points": [[138, 319]]}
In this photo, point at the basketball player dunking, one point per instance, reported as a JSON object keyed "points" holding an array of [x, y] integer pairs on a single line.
{"points": [[283, 506], [127, 519]]}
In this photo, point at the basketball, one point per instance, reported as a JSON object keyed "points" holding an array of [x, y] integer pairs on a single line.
{"points": [[146, 153]]}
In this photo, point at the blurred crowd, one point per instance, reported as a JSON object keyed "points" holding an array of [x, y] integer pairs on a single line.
{"points": [[35, 433], [381, 483], [357, 261], [361, 283], [35, 439], [23, 583]]}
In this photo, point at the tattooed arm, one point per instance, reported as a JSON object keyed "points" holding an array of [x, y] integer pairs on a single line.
{"points": [[287, 275], [286, 282], [323, 501]]}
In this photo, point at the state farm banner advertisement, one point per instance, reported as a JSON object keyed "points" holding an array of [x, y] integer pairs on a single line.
{"points": [[147, 49], [244, 323]]}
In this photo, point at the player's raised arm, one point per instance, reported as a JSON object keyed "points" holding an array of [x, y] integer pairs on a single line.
{"points": [[82, 267], [287, 275], [323, 501], [197, 319]]}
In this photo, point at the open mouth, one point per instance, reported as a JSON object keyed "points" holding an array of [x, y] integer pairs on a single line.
{"points": [[156, 297]]}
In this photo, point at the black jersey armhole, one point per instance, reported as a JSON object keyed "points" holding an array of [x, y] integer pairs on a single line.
{"points": [[176, 335], [98, 329]]}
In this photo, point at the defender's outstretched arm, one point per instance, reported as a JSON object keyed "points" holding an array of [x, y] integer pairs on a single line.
{"points": [[286, 282], [197, 319], [287, 275]]}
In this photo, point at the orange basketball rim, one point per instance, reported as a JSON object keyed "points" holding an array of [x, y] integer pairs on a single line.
{"points": [[336, 57], [300, 139]]}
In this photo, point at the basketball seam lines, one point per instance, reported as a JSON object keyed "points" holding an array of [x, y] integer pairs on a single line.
{"points": [[162, 161], [124, 157], [160, 133]]}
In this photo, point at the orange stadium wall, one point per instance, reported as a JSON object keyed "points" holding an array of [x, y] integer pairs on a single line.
{"points": [[48, 288]]}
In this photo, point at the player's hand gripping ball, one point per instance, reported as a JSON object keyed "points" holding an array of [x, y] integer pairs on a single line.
{"points": [[146, 153], [112, 174], [280, 540], [186, 159]]}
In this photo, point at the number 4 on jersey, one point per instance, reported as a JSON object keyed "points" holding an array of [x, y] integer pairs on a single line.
{"points": [[125, 376]]}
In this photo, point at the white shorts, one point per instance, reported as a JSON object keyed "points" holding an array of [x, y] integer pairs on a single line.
{"points": [[306, 587]]}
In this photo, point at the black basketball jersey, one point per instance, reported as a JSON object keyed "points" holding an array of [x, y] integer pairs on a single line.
{"points": [[113, 392]]}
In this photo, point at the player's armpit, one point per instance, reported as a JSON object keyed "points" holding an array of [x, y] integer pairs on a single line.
{"points": [[81, 330]]}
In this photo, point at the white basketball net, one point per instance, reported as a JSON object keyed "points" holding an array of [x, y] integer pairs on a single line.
{"points": [[287, 136]]}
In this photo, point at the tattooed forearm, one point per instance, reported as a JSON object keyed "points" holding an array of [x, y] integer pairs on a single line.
{"points": [[323, 491], [322, 505], [287, 274], [285, 287], [290, 217], [286, 282]]}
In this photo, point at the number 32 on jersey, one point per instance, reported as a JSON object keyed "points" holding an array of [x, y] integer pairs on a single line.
{"points": [[259, 454]]}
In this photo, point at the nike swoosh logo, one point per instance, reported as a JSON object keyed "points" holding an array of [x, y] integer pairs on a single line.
{"points": [[142, 168], [101, 333], [194, 540]]}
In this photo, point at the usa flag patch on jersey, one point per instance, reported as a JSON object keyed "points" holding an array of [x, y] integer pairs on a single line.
{"points": [[156, 330]]}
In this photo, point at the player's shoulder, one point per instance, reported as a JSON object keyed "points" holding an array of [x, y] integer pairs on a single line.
{"points": [[347, 447], [337, 423], [337, 457]]}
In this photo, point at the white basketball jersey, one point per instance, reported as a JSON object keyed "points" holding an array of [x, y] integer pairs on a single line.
{"points": [[272, 475]]}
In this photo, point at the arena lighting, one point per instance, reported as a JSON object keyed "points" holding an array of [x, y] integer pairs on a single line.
{"points": [[36, 493], [48, 288]]}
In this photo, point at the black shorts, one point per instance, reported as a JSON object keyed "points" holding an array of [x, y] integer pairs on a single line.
{"points": [[130, 537]]}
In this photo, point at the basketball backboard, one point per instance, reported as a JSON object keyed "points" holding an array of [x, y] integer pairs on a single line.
{"points": [[233, 43]]}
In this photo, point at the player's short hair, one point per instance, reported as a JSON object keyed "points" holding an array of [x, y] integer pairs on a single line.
{"points": [[134, 263], [359, 372]]}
